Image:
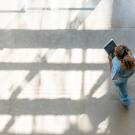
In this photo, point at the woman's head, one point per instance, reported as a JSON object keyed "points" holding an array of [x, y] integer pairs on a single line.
{"points": [[124, 54]]}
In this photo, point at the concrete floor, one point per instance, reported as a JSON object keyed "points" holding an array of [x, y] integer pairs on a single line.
{"points": [[54, 72]]}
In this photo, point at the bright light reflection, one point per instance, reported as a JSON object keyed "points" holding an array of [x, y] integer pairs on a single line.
{"points": [[65, 3], [12, 5], [84, 123], [76, 55], [43, 84], [102, 90], [96, 56], [14, 79], [22, 55], [42, 19], [60, 55], [4, 119], [90, 80], [50, 124], [51, 83], [22, 124], [56, 84], [103, 126], [101, 17]]}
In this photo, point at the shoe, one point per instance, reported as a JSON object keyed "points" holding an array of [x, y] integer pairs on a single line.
{"points": [[126, 102]]}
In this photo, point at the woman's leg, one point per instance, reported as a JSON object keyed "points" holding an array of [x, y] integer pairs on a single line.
{"points": [[123, 92]]}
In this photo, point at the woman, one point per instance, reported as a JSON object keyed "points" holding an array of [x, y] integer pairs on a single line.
{"points": [[122, 66]]}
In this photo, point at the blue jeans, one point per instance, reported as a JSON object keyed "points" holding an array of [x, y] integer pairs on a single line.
{"points": [[122, 89]]}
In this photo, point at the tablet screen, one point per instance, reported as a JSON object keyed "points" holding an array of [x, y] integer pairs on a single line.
{"points": [[109, 47]]}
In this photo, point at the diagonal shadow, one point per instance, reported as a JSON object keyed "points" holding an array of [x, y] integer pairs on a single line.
{"points": [[31, 107], [13, 99], [27, 79], [100, 81], [8, 125], [55, 106], [27, 107], [82, 15]]}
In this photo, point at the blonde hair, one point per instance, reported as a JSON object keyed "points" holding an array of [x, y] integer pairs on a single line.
{"points": [[127, 60]]}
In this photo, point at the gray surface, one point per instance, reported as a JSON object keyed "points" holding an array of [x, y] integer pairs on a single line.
{"points": [[42, 94], [64, 38], [120, 121]]}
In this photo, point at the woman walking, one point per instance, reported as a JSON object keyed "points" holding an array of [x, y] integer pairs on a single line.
{"points": [[122, 66]]}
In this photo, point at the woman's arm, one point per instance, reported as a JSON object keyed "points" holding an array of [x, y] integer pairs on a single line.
{"points": [[110, 62]]}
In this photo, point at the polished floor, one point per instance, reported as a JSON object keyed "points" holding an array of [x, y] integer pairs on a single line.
{"points": [[54, 72]]}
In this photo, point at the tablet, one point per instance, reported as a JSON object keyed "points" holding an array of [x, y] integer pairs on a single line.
{"points": [[109, 47]]}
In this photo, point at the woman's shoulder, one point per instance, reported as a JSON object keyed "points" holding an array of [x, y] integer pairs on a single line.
{"points": [[134, 55], [134, 58]]}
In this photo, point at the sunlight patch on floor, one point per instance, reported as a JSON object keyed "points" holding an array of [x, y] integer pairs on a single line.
{"points": [[60, 55], [103, 127], [43, 83], [48, 124]]}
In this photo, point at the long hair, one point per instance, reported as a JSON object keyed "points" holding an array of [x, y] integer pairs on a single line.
{"points": [[123, 53]]}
